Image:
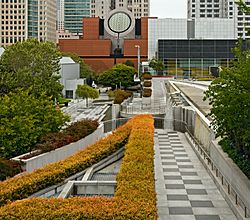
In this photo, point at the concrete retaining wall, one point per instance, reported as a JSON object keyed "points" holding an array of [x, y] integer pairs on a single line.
{"points": [[231, 172], [61, 153]]}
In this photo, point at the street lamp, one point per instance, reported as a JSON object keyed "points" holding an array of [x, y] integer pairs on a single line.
{"points": [[138, 57]]}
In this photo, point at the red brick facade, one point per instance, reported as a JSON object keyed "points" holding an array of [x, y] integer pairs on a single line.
{"points": [[97, 52]]}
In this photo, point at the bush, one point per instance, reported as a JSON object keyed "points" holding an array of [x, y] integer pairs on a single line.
{"points": [[120, 96], [147, 84], [243, 162], [147, 92], [72, 133], [146, 76], [8, 168], [23, 186], [135, 192]]}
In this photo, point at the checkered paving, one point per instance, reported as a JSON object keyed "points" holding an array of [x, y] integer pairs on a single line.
{"points": [[184, 189]]}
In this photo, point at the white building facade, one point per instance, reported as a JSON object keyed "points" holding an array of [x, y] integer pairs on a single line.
{"points": [[101, 8], [191, 47], [221, 9]]}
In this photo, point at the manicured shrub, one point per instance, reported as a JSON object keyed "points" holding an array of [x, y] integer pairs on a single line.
{"points": [[146, 76], [120, 96], [22, 186], [135, 194], [147, 83], [8, 168], [72, 133], [147, 92]]}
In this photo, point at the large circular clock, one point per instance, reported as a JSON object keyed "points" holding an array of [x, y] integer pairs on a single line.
{"points": [[119, 22]]}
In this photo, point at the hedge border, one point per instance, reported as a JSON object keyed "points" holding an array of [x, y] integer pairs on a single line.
{"points": [[22, 186], [135, 196]]}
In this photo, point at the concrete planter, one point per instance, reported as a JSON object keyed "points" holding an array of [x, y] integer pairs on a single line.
{"points": [[61, 153]]}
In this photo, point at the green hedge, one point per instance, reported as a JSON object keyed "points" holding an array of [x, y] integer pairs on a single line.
{"points": [[135, 196]]}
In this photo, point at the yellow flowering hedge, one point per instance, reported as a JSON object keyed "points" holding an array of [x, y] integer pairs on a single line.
{"points": [[135, 193], [23, 186]]}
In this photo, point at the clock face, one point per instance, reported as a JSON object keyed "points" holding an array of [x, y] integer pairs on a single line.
{"points": [[119, 22]]}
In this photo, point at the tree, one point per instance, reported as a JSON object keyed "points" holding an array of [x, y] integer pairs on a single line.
{"points": [[85, 92], [119, 74], [31, 64], [157, 65], [24, 119], [85, 70], [229, 96], [129, 63]]}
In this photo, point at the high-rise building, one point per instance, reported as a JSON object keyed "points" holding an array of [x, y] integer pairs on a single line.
{"points": [[74, 12], [22, 19], [221, 9], [101, 8]]}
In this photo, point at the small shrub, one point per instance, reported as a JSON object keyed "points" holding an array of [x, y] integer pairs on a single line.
{"points": [[146, 76], [147, 84], [8, 168], [147, 92], [72, 133], [120, 96], [242, 161]]}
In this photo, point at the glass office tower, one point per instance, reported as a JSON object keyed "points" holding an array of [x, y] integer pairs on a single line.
{"points": [[74, 11]]}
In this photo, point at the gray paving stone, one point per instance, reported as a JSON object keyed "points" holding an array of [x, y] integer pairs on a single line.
{"points": [[175, 186], [177, 197], [167, 157], [200, 203], [181, 155], [186, 166], [179, 150], [183, 160], [168, 177], [180, 211], [196, 192], [192, 181], [188, 173], [170, 170], [207, 217], [166, 152], [169, 163]]}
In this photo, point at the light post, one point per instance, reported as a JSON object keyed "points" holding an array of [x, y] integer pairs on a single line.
{"points": [[138, 57]]}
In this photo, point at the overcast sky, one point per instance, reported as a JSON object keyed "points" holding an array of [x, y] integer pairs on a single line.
{"points": [[168, 8]]}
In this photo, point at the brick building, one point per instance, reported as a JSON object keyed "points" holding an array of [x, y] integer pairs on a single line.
{"points": [[98, 47]]}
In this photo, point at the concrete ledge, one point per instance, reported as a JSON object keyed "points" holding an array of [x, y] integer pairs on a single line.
{"points": [[61, 153]]}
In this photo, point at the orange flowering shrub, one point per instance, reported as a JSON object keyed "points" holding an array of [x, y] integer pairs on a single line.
{"points": [[134, 197], [23, 186]]}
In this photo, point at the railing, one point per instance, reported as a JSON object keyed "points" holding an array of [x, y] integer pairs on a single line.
{"points": [[215, 171], [160, 123]]}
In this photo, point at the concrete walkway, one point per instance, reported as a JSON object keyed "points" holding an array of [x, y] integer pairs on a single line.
{"points": [[184, 189]]}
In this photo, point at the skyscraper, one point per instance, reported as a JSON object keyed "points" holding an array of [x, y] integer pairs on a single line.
{"points": [[221, 9], [74, 12], [22, 19], [100, 8]]}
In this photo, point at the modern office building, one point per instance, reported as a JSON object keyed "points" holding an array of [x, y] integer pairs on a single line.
{"points": [[25, 19], [74, 12], [191, 45], [221, 9], [101, 8], [60, 15]]}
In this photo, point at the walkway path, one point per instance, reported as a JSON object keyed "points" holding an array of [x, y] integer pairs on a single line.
{"points": [[184, 189]]}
